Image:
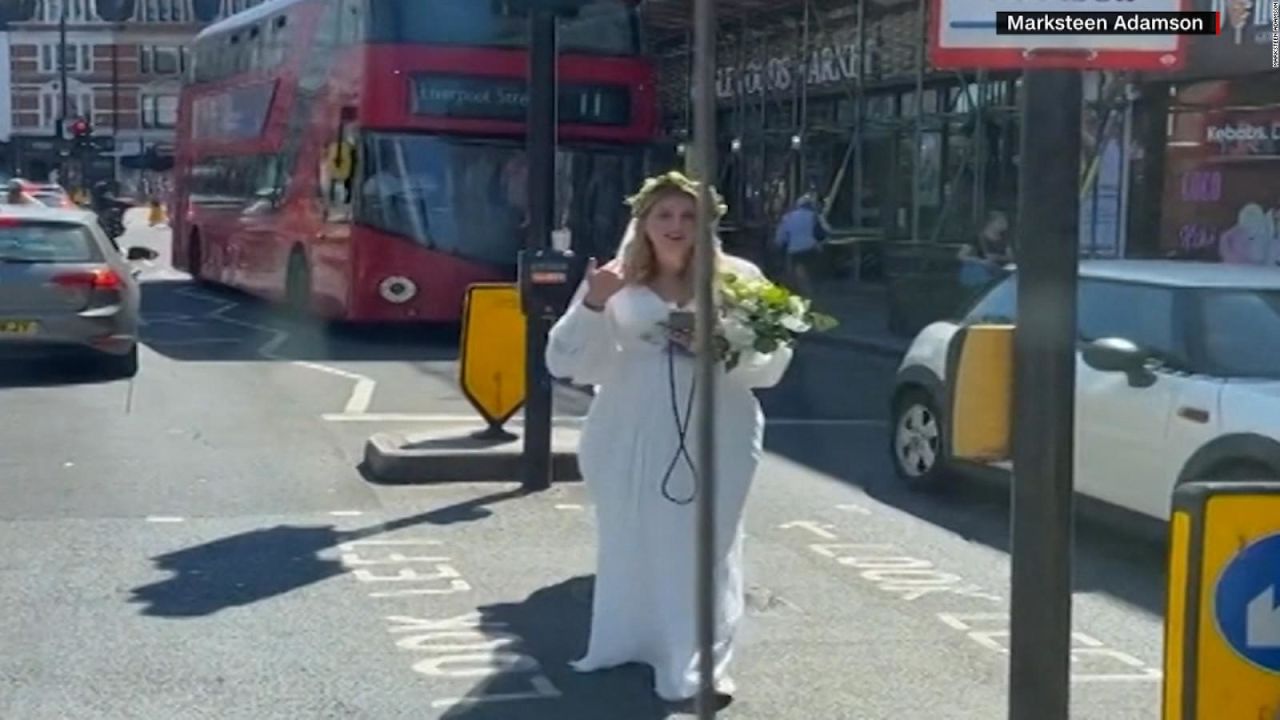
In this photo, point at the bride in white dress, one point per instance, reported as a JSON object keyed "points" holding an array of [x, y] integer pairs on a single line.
{"points": [[638, 448]]}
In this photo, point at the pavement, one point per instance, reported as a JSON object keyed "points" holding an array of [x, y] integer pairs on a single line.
{"points": [[201, 543]]}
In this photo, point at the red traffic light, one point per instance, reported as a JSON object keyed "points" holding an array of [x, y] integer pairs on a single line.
{"points": [[80, 127]]}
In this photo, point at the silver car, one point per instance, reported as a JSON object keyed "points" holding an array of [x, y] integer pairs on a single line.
{"points": [[66, 290]]}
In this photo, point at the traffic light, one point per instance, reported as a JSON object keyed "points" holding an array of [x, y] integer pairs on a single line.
{"points": [[81, 129]]}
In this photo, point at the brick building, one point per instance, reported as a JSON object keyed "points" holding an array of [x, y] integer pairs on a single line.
{"points": [[125, 61]]}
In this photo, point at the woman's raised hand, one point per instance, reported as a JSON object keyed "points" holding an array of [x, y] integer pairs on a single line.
{"points": [[602, 282]]}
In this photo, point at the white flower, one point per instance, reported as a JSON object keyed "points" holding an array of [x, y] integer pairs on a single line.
{"points": [[797, 305], [738, 333], [795, 323]]}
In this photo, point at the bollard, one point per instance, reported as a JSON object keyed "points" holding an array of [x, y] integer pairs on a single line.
{"points": [[1222, 623], [491, 362], [980, 364]]}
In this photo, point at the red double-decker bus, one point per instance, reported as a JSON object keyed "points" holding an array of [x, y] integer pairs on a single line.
{"points": [[363, 160]]}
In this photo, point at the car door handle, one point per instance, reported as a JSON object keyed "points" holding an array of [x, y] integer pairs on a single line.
{"points": [[1194, 414]]}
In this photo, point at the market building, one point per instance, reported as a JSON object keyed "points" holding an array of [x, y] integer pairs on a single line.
{"points": [[838, 97]]}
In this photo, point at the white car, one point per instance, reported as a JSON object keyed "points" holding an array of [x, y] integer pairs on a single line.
{"points": [[1177, 378]]}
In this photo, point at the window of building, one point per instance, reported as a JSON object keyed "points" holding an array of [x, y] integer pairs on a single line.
{"points": [[169, 11], [78, 58], [77, 10], [159, 111], [161, 60]]}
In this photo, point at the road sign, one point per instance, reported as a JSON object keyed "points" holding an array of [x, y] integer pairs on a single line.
{"points": [[492, 358], [962, 34], [1245, 603], [1222, 641]]}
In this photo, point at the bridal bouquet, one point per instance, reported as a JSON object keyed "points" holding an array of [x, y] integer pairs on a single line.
{"points": [[758, 315]]}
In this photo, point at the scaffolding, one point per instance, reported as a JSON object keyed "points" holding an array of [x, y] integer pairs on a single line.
{"points": [[774, 143]]}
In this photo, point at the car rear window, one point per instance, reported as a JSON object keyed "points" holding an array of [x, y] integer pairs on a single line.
{"points": [[47, 243]]}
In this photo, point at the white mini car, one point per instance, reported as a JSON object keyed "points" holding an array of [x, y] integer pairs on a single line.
{"points": [[1191, 391]]}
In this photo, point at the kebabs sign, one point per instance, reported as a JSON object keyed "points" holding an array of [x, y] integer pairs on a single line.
{"points": [[1148, 35]]}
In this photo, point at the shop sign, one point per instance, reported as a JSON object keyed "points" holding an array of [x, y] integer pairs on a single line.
{"points": [[1217, 207], [824, 66]]}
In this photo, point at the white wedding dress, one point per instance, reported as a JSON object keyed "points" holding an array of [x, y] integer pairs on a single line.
{"points": [[643, 486]]}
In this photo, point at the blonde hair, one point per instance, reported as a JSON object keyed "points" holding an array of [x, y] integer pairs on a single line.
{"points": [[636, 251]]}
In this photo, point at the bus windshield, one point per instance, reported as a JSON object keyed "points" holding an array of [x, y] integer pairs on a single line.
{"points": [[468, 198], [602, 27]]}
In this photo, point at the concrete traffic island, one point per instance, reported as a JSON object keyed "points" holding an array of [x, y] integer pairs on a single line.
{"points": [[458, 453]]}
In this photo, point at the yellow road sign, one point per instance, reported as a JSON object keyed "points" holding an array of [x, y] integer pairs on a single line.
{"points": [[1222, 625], [491, 368]]}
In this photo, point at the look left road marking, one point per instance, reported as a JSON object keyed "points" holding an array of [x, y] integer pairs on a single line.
{"points": [[910, 578], [458, 647]]}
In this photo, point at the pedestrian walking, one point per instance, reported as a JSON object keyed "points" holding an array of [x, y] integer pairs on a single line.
{"points": [[636, 451], [799, 237]]}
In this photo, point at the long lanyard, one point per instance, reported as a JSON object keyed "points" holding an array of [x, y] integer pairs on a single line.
{"points": [[682, 430]]}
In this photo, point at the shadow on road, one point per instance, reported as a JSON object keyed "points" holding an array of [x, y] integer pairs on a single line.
{"points": [[239, 570], [189, 322], [1121, 562], [46, 373], [260, 564], [551, 626]]}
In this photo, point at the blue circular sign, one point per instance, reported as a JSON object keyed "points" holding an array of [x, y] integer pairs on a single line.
{"points": [[1246, 603]]}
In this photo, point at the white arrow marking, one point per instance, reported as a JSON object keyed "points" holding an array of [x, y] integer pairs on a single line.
{"points": [[1262, 622]]}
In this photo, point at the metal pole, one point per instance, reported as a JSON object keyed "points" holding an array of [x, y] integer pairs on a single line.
{"points": [[802, 124], [916, 151], [1122, 224], [978, 110], [541, 151], [62, 75], [859, 117], [115, 97], [1044, 387], [704, 163]]}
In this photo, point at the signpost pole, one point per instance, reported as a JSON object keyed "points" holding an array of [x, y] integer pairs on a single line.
{"points": [[703, 163], [1044, 396], [541, 150]]}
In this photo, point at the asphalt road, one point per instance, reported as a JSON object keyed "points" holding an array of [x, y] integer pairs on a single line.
{"points": [[201, 544]]}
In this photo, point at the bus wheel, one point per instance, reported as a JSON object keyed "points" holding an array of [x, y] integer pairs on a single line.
{"points": [[298, 285]]}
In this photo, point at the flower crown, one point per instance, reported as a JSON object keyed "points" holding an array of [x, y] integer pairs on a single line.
{"points": [[673, 181]]}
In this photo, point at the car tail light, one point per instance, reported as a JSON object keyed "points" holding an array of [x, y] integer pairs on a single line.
{"points": [[96, 279]]}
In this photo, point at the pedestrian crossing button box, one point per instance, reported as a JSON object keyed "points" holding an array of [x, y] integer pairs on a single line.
{"points": [[548, 279]]}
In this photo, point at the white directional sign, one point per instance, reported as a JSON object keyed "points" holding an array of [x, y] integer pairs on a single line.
{"points": [[1262, 624], [963, 35], [1245, 603]]}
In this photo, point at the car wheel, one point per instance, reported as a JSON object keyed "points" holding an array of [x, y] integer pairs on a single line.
{"points": [[1238, 470], [122, 367], [916, 441]]}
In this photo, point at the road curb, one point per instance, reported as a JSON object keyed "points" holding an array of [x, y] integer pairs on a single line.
{"points": [[876, 347], [452, 454]]}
